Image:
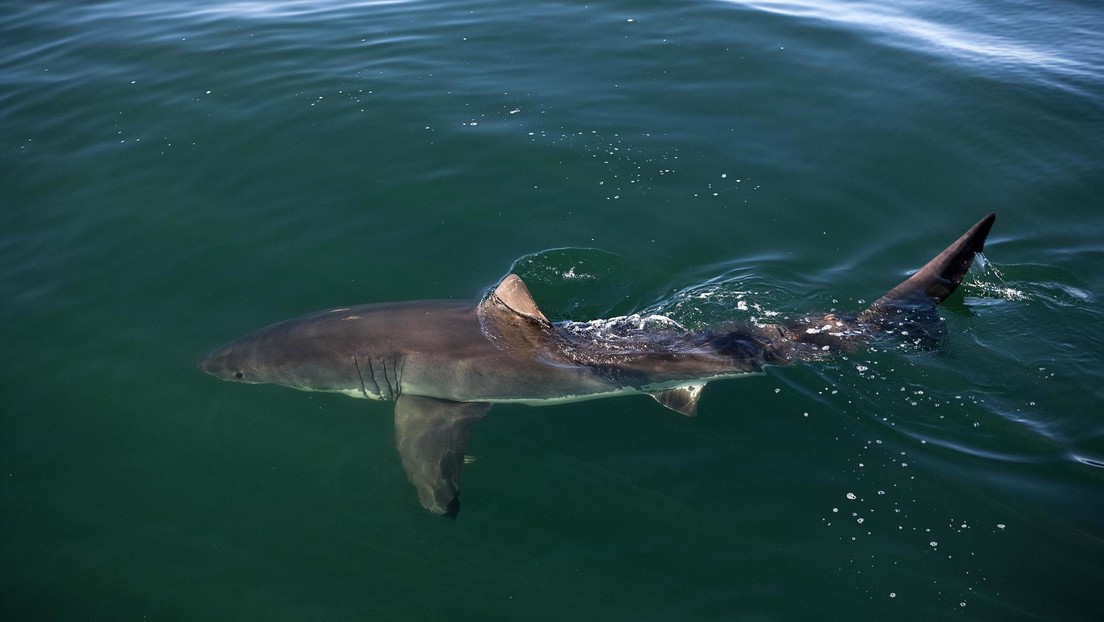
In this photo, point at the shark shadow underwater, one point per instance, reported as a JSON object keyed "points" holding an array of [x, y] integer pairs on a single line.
{"points": [[444, 363]]}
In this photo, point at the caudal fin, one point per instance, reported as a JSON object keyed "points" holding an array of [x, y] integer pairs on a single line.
{"points": [[938, 279]]}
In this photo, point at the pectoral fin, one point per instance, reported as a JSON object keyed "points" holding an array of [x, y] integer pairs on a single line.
{"points": [[432, 436], [681, 400]]}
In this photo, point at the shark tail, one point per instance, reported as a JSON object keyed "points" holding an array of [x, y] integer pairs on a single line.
{"points": [[937, 280]]}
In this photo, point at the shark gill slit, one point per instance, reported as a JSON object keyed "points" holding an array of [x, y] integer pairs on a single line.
{"points": [[372, 375], [360, 375], [387, 380], [400, 362], [381, 381]]}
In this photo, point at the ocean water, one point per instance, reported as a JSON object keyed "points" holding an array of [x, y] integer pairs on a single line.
{"points": [[176, 174]]}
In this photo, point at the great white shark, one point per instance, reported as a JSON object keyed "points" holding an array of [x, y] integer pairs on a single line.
{"points": [[444, 363]]}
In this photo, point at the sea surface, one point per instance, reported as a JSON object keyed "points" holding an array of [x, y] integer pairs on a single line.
{"points": [[176, 174]]}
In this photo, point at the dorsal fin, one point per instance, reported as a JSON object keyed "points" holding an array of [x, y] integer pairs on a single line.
{"points": [[515, 295], [510, 319]]}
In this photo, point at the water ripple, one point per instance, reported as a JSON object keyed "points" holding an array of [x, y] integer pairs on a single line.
{"points": [[203, 10], [1029, 40]]}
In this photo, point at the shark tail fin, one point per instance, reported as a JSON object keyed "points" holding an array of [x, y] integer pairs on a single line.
{"points": [[938, 279]]}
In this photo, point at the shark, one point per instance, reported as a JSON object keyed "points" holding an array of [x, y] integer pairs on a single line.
{"points": [[444, 363]]}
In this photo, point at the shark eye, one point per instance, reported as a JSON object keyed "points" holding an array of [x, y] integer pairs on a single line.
{"points": [[239, 375]]}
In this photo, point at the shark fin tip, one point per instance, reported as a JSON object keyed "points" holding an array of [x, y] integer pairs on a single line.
{"points": [[453, 508]]}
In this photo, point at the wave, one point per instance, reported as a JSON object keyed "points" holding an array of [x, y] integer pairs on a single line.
{"points": [[1055, 43]]}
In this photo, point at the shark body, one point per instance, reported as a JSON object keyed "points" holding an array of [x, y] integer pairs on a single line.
{"points": [[444, 363]]}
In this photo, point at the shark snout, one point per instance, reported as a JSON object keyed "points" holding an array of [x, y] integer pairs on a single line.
{"points": [[219, 364]]}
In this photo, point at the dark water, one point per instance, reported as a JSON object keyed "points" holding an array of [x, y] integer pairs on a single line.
{"points": [[175, 174]]}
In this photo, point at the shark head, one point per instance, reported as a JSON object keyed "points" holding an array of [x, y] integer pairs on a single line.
{"points": [[290, 355], [234, 363]]}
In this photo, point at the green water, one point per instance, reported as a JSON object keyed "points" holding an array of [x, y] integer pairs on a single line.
{"points": [[176, 174]]}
